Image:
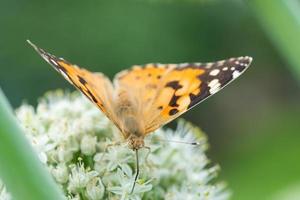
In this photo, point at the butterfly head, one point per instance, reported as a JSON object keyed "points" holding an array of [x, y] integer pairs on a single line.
{"points": [[135, 142]]}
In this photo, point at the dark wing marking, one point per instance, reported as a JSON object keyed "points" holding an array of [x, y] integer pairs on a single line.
{"points": [[188, 84], [95, 86]]}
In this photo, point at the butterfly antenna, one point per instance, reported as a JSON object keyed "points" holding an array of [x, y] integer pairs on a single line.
{"points": [[182, 142], [137, 170]]}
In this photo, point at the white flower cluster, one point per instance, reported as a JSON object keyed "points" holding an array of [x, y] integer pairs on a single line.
{"points": [[79, 146]]}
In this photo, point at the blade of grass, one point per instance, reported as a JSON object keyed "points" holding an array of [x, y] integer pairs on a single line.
{"points": [[20, 169], [281, 21]]}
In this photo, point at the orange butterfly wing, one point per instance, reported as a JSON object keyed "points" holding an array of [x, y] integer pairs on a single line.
{"points": [[167, 91], [142, 82], [161, 92], [95, 86]]}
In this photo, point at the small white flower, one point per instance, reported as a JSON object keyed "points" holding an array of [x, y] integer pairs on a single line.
{"points": [[60, 173], [88, 145], [29, 120], [125, 187], [95, 189], [64, 154], [79, 178], [114, 156]]}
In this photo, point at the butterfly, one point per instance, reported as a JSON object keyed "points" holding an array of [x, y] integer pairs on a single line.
{"points": [[145, 97]]}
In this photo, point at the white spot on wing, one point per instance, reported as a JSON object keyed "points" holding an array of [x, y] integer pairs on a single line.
{"points": [[53, 62], [249, 58], [214, 72], [45, 58], [236, 74], [214, 86], [208, 65], [198, 64], [183, 64], [220, 63]]}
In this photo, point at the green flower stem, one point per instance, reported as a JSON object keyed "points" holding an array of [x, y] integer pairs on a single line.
{"points": [[20, 169], [281, 21]]}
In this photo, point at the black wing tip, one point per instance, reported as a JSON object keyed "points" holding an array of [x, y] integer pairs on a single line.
{"points": [[249, 58], [246, 60], [236, 63], [52, 60], [33, 45], [29, 42], [36, 48]]}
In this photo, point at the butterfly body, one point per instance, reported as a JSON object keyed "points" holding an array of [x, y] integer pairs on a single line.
{"points": [[130, 123], [144, 98]]}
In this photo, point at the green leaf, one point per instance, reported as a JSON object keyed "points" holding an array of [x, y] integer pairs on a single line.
{"points": [[20, 169]]}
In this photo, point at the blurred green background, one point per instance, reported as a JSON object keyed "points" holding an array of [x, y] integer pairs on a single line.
{"points": [[253, 125]]}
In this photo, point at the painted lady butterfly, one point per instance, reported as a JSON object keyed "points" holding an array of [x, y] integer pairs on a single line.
{"points": [[143, 98]]}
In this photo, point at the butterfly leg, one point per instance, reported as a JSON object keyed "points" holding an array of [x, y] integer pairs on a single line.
{"points": [[137, 170]]}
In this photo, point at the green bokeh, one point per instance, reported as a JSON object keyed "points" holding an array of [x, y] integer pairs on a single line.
{"points": [[252, 124]]}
